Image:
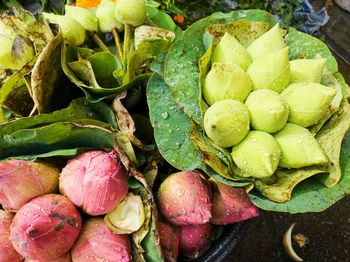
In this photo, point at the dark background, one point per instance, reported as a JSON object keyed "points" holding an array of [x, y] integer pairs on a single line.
{"points": [[329, 231]]}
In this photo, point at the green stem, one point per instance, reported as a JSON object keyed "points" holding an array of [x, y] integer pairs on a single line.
{"points": [[127, 40], [99, 42], [118, 44]]}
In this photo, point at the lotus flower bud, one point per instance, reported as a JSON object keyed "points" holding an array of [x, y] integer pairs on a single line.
{"points": [[257, 155], [106, 18], [267, 43], [127, 217], [45, 228], [95, 181], [184, 198], [271, 71], [7, 251], [23, 180], [98, 243], [268, 111], [308, 102], [132, 12], [227, 122], [231, 205], [6, 30], [169, 240], [307, 70], [299, 147], [64, 258], [230, 51], [195, 239], [83, 16], [225, 81], [72, 31]]}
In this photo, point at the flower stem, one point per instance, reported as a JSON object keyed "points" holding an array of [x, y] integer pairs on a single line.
{"points": [[127, 39], [118, 44], [99, 42]]}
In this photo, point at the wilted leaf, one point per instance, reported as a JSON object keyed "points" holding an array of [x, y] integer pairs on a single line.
{"points": [[47, 74]]}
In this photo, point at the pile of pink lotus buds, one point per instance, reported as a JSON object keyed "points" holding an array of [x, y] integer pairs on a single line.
{"points": [[86, 212]]}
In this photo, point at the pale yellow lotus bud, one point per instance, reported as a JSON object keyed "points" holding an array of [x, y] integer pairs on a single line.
{"points": [[83, 16], [227, 122], [226, 81], [106, 17], [230, 51], [127, 217], [299, 147], [257, 155], [271, 71], [267, 43], [308, 102], [307, 70], [132, 12], [268, 111], [72, 31]]}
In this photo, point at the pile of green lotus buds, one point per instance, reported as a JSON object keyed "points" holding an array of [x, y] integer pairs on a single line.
{"points": [[259, 88]]}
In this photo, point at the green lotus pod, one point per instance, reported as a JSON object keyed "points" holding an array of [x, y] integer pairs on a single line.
{"points": [[225, 81], [106, 17], [271, 72], [72, 30], [83, 16], [308, 102], [257, 155], [230, 51], [299, 147], [132, 12], [268, 111], [267, 43], [227, 122], [14, 52], [127, 217], [307, 70]]}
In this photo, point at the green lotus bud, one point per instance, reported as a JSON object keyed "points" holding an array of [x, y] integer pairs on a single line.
{"points": [[308, 102], [271, 72], [267, 43], [6, 30], [268, 111], [14, 52], [230, 51], [132, 12], [257, 155], [72, 31], [106, 17], [227, 122], [127, 217], [307, 70], [299, 147], [225, 81], [83, 16]]}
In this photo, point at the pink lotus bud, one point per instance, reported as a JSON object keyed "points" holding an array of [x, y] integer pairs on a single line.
{"points": [[23, 180], [184, 198], [95, 181], [231, 205], [169, 240], [98, 243], [45, 228], [64, 258], [7, 252], [195, 239]]}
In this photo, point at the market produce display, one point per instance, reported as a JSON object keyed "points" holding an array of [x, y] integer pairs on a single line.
{"points": [[125, 138]]}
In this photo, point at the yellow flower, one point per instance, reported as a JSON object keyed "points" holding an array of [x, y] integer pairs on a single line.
{"points": [[87, 3]]}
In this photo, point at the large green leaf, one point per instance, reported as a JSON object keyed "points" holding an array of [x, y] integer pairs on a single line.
{"points": [[88, 133], [78, 109], [181, 69]]}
